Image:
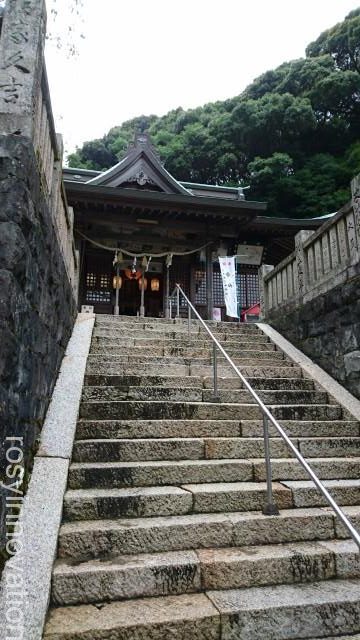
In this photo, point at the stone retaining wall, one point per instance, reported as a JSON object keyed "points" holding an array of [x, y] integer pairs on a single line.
{"points": [[327, 329], [37, 305]]}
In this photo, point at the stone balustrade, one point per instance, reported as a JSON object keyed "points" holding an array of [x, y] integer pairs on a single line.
{"points": [[313, 296], [321, 260]]}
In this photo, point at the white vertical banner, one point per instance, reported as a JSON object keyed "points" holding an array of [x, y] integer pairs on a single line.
{"points": [[227, 268]]}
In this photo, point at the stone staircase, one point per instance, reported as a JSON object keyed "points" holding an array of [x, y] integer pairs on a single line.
{"points": [[163, 534]]}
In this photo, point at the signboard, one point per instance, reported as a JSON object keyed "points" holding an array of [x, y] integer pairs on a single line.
{"points": [[227, 268], [249, 254]]}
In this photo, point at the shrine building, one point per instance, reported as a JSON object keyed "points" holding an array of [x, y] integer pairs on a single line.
{"points": [[162, 231]]}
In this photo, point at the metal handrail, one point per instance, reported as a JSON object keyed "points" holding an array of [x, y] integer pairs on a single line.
{"points": [[270, 507]]}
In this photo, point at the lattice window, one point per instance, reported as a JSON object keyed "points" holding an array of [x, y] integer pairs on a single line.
{"points": [[180, 273], [218, 291], [98, 296], [91, 279], [247, 287], [200, 286], [104, 281]]}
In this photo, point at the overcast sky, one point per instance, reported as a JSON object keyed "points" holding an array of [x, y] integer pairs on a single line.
{"points": [[147, 57]]}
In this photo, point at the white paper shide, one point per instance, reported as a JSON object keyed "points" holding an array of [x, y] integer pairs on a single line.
{"points": [[227, 268]]}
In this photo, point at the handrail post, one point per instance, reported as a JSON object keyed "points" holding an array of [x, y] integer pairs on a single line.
{"points": [[270, 508], [178, 303], [216, 392], [189, 319]]}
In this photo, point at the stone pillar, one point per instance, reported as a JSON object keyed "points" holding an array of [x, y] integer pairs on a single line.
{"points": [[209, 283], [355, 193], [21, 55], [301, 266], [263, 290]]}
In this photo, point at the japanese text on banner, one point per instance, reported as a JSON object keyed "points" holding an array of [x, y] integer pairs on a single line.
{"points": [[227, 268]]}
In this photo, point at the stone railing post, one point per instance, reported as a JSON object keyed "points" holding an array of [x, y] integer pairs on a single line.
{"points": [[21, 62], [355, 193], [263, 290], [302, 276]]}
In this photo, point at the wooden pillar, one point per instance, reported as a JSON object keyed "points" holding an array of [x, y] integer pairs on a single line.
{"points": [[209, 283], [167, 291]]}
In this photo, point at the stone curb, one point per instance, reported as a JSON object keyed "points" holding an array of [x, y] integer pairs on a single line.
{"points": [[26, 579], [336, 390]]}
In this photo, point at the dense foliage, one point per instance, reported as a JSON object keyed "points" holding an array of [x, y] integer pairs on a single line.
{"points": [[293, 135]]}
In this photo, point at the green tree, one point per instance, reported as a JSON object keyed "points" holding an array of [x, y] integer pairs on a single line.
{"points": [[293, 134], [342, 42]]}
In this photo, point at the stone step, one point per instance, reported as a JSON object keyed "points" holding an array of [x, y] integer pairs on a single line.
{"points": [[178, 394], [160, 574], [108, 317], [176, 572], [305, 428], [175, 325], [198, 394], [281, 369], [138, 354], [83, 540], [107, 450], [197, 381], [286, 612], [216, 411], [89, 429], [185, 341], [194, 351], [95, 429], [172, 331], [143, 380], [86, 475], [332, 447], [92, 504], [277, 612], [129, 369], [268, 384], [325, 468], [305, 494], [176, 617], [176, 449]]}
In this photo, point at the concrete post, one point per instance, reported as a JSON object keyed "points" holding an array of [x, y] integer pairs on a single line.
{"points": [[263, 290], [21, 55]]}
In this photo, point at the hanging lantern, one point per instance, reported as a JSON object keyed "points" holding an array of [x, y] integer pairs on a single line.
{"points": [[140, 281], [132, 275], [117, 282], [155, 284]]}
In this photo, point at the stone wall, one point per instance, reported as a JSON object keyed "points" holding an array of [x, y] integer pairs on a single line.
{"points": [[38, 262], [37, 305], [327, 329]]}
